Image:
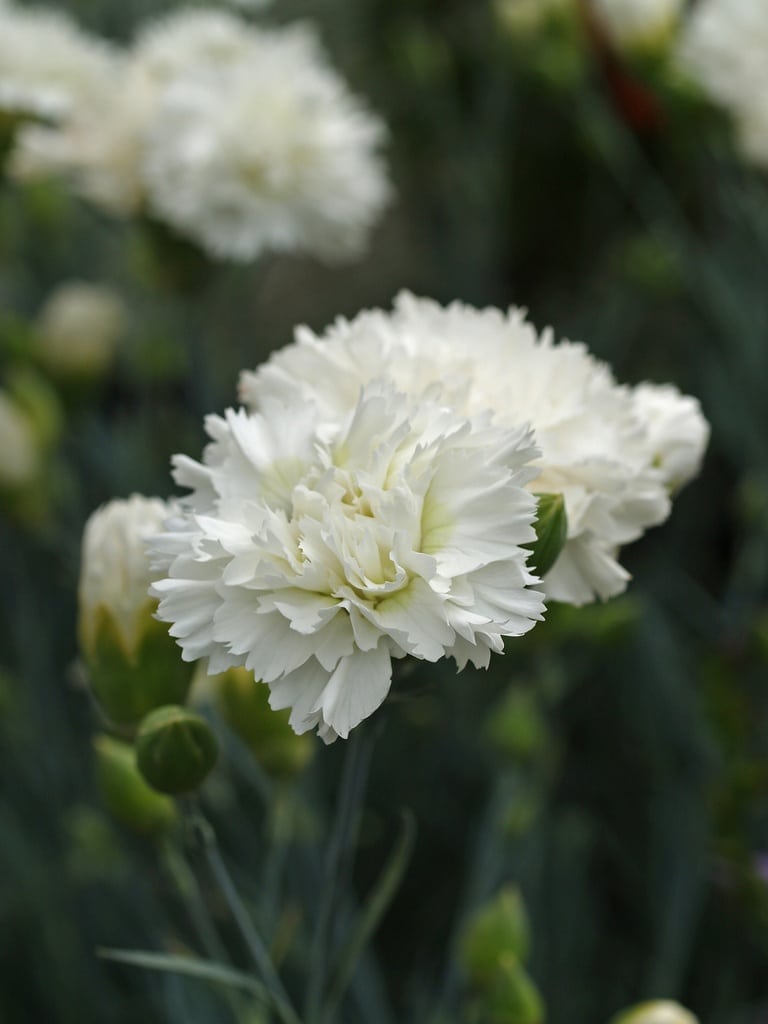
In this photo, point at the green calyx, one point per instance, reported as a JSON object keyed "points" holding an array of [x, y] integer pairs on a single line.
{"points": [[129, 683], [498, 931], [175, 750], [243, 703], [125, 793]]}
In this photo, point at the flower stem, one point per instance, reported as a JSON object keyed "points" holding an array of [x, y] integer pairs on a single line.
{"points": [[337, 864], [253, 941]]}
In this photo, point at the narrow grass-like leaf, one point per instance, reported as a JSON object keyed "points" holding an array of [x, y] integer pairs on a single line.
{"points": [[371, 913], [193, 967]]}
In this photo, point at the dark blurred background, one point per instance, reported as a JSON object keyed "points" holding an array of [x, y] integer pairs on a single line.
{"points": [[615, 763]]}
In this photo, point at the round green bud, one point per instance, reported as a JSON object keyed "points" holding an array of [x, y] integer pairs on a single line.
{"points": [[125, 793], [175, 749], [511, 997], [659, 1011], [497, 931], [243, 703], [551, 533]]}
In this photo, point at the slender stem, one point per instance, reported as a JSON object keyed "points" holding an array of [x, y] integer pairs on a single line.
{"points": [[337, 864], [253, 941]]}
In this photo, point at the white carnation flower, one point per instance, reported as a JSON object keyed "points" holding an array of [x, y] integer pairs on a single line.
{"points": [[114, 572], [242, 139], [724, 48], [314, 553], [596, 447], [272, 153], [634, 21], [47, 65]]}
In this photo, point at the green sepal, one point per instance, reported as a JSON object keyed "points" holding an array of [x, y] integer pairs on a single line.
{"points": [[243, 703], [175, 750], [129, 683], [551, 533], [125, 793]]}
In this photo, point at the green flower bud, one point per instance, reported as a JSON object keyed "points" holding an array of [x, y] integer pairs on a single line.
{"points": [[517, 727], [124, 791], [511, 997], [551, 533], [660, 1011], [244, 705], [175, 749], [133, 664], [497, 931]]}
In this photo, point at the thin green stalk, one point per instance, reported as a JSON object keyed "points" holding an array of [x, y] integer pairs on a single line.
{"points": [[340, 848], [253, 941]]}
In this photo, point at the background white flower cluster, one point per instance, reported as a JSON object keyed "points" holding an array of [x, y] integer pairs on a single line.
{"points": [[241, 138], [725, 49]]}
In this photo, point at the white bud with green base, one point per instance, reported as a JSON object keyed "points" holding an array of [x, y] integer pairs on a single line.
{"points": [[133, 664]]}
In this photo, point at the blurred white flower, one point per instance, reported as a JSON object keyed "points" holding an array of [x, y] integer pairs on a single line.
{"points": [[677, 433], [241, 138], [724, 48], [273, 153], [20, 458], [660, 1011], [313, 553], [78, 329], [114, 572], [638, 21], [597, 450], [47, 65]]}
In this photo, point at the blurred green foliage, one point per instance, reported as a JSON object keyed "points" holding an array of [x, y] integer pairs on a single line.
{"points": [[614, 765]]}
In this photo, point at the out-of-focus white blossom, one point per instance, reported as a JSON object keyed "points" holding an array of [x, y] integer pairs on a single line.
{"points": [[242, 139], [78, 329], [47, 65], [677, 431], [313, 553], [20, 454], [638, 21], [660, 1011], [273, 153], [724, 48], [598, 449]]}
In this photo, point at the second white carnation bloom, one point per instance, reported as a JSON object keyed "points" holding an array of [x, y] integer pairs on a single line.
{"points": [[614, 453]]}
